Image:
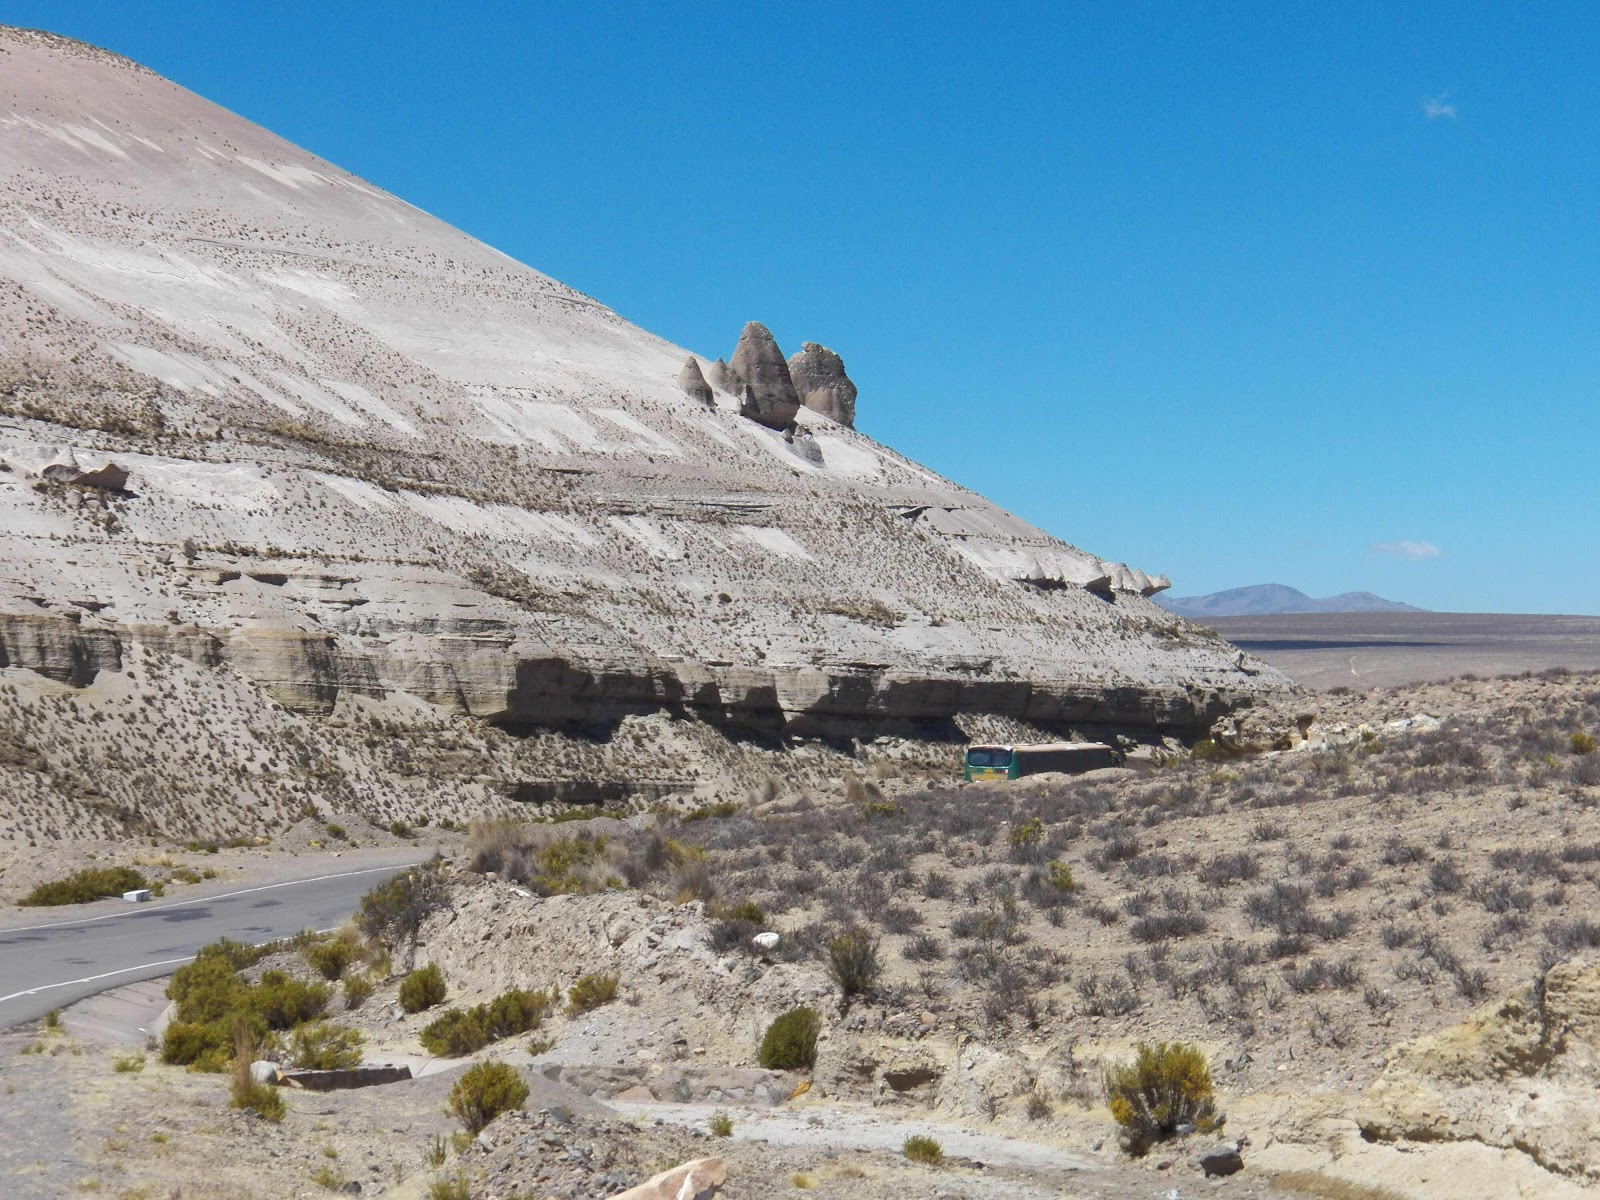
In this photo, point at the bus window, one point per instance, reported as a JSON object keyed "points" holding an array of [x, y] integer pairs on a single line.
{"points": [[989, 756]]}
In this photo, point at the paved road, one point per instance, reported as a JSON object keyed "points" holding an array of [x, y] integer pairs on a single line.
{"points": [[54, 963]]}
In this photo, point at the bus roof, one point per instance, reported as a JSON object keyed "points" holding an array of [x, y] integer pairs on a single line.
{"points": [[1051, 746]]}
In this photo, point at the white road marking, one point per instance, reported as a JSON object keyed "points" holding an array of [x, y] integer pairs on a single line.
{"points": [[144, 908], [45, 987]]}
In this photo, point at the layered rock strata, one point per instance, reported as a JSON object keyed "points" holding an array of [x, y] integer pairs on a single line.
{"points": [[359, 453]]}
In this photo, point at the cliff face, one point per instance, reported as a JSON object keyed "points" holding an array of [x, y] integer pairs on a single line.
{"points": [[261, 416]]}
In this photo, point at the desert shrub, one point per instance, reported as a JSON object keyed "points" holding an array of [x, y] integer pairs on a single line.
{"points": [[923, 948], [854, 962], [393, 912], [329, 959], [899, 918], [358, 990], [284, 1001], [1240, 867], [790, 1043], [590, 992], [130, 1064], [720, 1123], [486, 1091], [1103, 996], [518, 1010], [1267, 831], [324, 1046], [82, 887], [194, 1044], [1582, 743], [461, 1031], [1445, 878], [1401, 854], [1167, 1085], [1163, 927], [422, 988], [924, 1150], [456, 1033], [205, 990], [936, 886]]}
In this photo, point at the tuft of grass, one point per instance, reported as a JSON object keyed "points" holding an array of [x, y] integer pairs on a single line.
{"points": [[1326, 1187], [720, 1123], [328, 1178], [802, 1181], [924, 1150], [260, 1098], [450, 1187], [130, 1064], [590, 992]]}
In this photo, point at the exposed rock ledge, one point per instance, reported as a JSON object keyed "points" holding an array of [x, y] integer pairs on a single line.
{"points": [[514, 681]]}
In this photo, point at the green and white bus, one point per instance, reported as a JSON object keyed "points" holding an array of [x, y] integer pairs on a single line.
{"points": [[1013, 762]]}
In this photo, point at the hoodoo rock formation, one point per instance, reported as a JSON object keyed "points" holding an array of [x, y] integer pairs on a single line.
{"points": [[766, 393], [823, 387], [367, 457], [693, 382]]}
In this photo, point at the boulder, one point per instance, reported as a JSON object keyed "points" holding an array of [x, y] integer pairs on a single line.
{"points": [[263, 1071], [822, 385], [699, 1179], [693, 382], [767, 392], [106, 478], [1261, 728], [1223, 1160]]}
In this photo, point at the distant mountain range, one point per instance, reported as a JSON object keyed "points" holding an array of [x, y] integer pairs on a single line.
{"points": [[1267, 598]]}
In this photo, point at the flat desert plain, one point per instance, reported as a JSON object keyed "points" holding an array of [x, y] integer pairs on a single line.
{"points": [[1365, 650]]}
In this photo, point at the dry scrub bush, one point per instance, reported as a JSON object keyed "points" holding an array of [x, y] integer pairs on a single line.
{"points": [[590, 992], [854, 962], [1167, 1085], [486, 1091], [329, 959], [393, 912], [422, 988], [790, 1043], [324, 1046], [925, 1150], [461, 1031], [82, 887]]}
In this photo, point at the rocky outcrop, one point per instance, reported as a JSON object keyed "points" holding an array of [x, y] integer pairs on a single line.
{"points": [[368, 476], [693, 382], [720, 378], [766, 394], [822, 385], [1519, 1074]]}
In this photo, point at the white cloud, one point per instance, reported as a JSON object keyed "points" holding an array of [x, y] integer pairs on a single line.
{"points": [[1435, 107], [1412, 550]]}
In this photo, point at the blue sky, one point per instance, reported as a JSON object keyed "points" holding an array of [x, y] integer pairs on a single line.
{"points": [[1243, 293]]}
